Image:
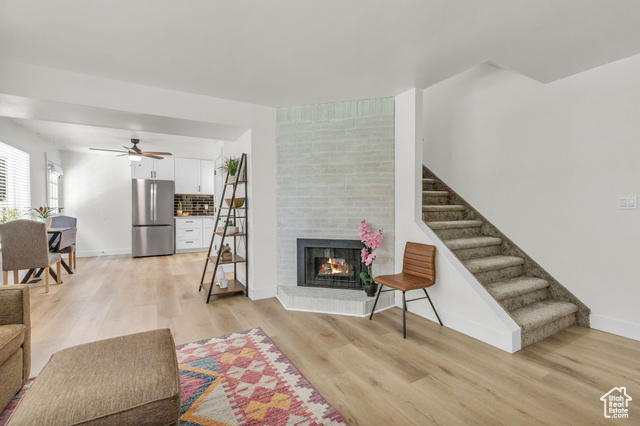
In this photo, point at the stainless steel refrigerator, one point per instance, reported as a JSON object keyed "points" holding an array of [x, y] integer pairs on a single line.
{"points": [[152, 217]]}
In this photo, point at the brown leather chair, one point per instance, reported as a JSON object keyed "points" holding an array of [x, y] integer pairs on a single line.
{"points": [[418, 272]]}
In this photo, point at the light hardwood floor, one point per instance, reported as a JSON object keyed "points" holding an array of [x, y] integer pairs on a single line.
{"points": [[363, 368]]}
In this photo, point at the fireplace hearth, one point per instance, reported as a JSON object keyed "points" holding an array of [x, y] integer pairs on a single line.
{"points": [[330, 263]]}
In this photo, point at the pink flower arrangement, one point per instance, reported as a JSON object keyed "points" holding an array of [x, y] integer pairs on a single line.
{"points": [[371, 241]]}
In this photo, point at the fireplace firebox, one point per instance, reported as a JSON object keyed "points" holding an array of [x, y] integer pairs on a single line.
{"points": [[330, 263]]}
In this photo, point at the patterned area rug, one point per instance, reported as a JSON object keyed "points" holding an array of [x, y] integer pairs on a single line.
{"points": [[241, 379]]}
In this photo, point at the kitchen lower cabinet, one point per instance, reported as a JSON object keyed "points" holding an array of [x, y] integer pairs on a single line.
{"points": [[193, 233]]}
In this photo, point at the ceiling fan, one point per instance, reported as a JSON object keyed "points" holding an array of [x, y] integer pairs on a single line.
{"points": [[135, 153]]}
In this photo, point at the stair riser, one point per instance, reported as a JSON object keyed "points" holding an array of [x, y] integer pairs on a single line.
{"points": [[525, 299], [537, 334], [435, 200], [476, 252], [499, 274], [429, 186], [442, 216], [449, 234]]}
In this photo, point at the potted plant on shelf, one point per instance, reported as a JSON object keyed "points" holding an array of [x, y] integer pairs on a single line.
{"points": [[231, 228], [43, 214], [230, 167], [225, 253], [179, 211], [371, 241]]}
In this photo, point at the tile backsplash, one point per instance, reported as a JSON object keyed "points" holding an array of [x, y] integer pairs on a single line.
{"points": [[194, 204]]}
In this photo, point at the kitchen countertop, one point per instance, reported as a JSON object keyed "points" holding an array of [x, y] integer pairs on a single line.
{"points": [[192, 216]]}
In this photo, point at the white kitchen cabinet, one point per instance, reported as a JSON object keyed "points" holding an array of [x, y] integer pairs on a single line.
{"points": [[151, 168], [187, 173], [207, 176], [193, 233], [207, 231], [194, 176], [164, 169]]}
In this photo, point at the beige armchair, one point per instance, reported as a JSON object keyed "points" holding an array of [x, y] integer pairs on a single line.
{"points": [[25, 246], [15, 341]]}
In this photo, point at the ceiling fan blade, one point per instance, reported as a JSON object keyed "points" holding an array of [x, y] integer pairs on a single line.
{"points": [[132, 149], [158, 153], [122, 155], [110, 150], [146, 154]]}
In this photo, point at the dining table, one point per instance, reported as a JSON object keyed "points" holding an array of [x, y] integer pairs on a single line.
{"points": [[59, 238]]}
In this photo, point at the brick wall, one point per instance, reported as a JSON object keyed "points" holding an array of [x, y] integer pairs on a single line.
{"points": [[335, 167]]}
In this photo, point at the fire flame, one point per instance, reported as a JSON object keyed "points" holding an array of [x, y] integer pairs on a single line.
{"points": [[334, 266]]}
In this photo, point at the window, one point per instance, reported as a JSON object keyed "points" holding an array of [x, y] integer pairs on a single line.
{"points": [[15, 193], [55, 173]]}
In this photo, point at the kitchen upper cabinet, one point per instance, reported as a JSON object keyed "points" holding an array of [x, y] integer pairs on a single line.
{"points": [[187, 176], [151, 168], [207, 172], [164, 169], [194, 176]]}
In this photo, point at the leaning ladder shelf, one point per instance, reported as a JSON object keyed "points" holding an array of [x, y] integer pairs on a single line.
{"points": [[226, 214]]}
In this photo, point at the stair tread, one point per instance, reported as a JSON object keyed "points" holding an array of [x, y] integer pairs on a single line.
{"points": [[433, 193], [428, 180], [483, 264], [501, 290], [540, 313], [443, 208], [448, 224], [472, 242]]}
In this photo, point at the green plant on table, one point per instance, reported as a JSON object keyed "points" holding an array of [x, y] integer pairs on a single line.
{"points": [[45, 212]]}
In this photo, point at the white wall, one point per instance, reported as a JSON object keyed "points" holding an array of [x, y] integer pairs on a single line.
{"points": [[546, 164], [97, 191], [259, 145], [16, 136], [462, 303]]}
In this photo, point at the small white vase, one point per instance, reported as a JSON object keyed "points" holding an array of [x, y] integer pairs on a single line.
{"points": [[45, 220]]}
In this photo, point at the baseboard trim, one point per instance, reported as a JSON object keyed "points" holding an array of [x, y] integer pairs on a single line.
{"points": [[108, 252], [332, 313], [614, 326], [263, 293], [508, 343]]}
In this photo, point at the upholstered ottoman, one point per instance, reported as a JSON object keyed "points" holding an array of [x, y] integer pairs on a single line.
{"points": [[127, 380]]}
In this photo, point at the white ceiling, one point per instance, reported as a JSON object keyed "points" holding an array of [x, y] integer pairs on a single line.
{"points": [[76, 137], [296, 52]]}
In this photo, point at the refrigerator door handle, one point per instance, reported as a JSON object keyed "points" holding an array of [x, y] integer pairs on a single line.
{"points": [[153, 202]]}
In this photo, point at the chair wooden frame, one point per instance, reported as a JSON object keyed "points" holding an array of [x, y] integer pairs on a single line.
{"points": [[418, 273]]}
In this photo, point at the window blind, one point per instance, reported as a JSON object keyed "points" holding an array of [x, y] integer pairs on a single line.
{"points": [[15, 186]]}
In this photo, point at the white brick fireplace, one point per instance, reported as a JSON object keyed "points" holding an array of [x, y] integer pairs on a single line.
{"points": [[335, 167]]}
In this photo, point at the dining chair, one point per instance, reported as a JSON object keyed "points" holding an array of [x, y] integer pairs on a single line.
{"points": [[418, 273], [66, 222], [25, 246]]}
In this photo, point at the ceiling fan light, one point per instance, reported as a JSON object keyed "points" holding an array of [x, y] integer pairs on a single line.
{"points": [[135, 158]]}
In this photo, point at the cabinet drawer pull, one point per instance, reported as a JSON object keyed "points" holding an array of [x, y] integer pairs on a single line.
{"points": [[188, 221], [189, 242], [188, 230]]}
